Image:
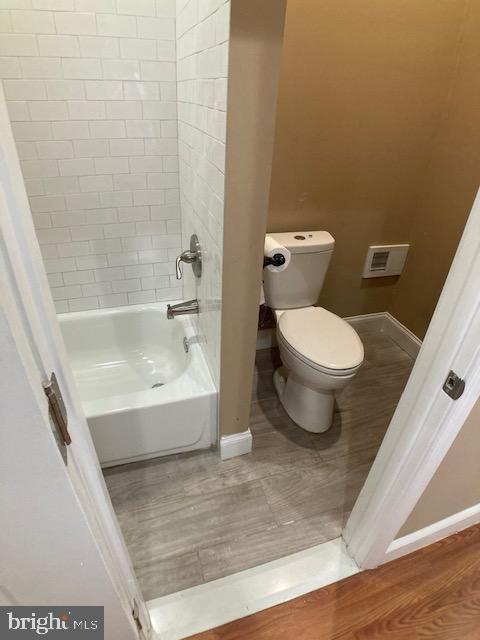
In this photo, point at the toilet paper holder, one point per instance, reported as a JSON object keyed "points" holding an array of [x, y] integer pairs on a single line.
{"points": [[277, 260]]}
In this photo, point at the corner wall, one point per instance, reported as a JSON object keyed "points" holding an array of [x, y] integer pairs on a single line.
{"points": [[362, 90], [202, 58], [448, 189], [255, 54]]}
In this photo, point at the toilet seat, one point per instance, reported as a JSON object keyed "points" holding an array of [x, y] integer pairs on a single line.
{"points": [[321, 340]]}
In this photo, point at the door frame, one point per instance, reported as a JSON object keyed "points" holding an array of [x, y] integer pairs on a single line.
{"points": [[27, 285], [426, 420]]}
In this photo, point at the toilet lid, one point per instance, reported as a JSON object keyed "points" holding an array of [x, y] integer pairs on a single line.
{"points": [[322, 338]]}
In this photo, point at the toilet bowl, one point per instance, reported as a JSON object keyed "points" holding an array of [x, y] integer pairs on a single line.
{"points": [[321, 353]]}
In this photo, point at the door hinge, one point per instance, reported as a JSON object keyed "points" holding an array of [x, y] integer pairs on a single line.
{"points": [[454, 386], [136, 615], [57, 408]]}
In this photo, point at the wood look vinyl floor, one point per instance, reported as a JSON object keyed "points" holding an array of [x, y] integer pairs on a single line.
{"points": [[432, 594], [191, 518]]}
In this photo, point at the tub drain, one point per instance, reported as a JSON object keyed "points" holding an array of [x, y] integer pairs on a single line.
{"points": [[157, 384]]}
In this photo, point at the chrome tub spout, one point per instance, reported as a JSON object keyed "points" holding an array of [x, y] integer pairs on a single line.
{"points": [[182, 309]]}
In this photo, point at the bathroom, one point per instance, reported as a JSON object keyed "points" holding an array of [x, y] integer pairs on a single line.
{"points": [[121, 118]]}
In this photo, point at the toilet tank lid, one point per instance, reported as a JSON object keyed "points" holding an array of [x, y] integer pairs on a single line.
{"points": [[305, 241]]}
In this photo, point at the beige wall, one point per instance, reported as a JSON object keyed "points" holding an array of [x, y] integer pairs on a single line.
{"points": [[362, 93], [448, 190], [254, 61], [377, 121], [456, 483]]}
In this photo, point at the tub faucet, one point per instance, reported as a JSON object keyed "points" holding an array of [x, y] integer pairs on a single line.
{"points": [[182, 309], [193, 257]]}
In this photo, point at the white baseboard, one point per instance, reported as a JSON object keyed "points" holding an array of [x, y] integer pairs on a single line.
{"points": [[384, 322], [266, 339], [372, 321], [433, 533], [399, 333], [238, 444]]}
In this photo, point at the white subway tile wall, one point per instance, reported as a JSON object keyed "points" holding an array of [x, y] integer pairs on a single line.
{"points": [[91, 92], [202, 29]]}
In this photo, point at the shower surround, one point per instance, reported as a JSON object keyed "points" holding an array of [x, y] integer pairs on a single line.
{"points": [[203, 29], [91, 88], [91, 92]]}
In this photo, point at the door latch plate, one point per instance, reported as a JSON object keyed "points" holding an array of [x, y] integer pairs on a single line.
{"points": [[454, 386]]}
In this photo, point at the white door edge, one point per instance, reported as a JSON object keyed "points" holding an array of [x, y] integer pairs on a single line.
{"points": [[29, 288]]}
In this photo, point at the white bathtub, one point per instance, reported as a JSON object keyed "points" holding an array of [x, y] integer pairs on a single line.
{"points": [[117, 356]]}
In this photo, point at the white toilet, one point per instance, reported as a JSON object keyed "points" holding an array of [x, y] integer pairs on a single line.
{"points": [[321, 352]]}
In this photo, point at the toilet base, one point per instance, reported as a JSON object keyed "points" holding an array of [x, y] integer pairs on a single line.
{"points": [[309, 408]]}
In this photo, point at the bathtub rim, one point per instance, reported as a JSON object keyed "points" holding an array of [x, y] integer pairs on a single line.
{"points": [[196, 373]]}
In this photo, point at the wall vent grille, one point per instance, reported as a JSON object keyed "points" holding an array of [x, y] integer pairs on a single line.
{"points": [[385, 260], [379, 261]]}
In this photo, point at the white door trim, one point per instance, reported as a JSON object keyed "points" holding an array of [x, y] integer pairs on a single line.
{"points": [[28, 286], [426, 420]]}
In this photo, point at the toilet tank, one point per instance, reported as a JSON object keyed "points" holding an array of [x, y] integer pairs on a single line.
{"points": [[299, 285]]}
